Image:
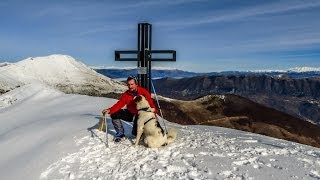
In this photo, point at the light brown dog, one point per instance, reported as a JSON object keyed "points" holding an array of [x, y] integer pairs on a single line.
{"points": [[148, 125]]}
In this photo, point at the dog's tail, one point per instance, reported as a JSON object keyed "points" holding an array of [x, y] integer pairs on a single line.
{"points": [[172, 135]]}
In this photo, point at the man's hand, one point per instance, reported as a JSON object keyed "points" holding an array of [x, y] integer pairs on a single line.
{"points": [[153, 109], [105, 111]]}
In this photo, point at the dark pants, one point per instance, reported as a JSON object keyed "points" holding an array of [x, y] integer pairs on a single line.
{"points": [[125, 115]]}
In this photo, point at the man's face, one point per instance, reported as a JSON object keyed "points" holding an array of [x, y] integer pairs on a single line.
{"points": [[132, 85]]}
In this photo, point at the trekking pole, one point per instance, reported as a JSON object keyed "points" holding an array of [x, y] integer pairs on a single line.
{"points": [[154, 90], [106, 124]]}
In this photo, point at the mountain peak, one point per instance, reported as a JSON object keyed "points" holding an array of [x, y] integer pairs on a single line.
{"points": [[52, 56], [58, 60], [61, 71]]}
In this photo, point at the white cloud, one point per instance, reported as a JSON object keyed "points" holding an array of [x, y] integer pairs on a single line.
{"points": [[232, 15], [149, 3]]}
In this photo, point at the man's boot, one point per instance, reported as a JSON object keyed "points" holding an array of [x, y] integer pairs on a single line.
{"points": [[119, 129], [118, 137]]}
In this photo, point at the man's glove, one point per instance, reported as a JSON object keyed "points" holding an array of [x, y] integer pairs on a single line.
{"points": [[106, 111]]}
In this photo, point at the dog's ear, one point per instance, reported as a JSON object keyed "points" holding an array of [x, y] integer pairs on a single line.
{"points": [[137, 98]]}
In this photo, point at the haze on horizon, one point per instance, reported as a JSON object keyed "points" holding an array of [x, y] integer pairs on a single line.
{"points": [[207, 35]]}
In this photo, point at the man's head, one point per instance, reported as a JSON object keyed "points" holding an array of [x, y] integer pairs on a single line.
{"points": [[132, 83]]}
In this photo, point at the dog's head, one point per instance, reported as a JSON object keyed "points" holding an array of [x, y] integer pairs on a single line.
{"points": [[141, 102], [139, 98]]}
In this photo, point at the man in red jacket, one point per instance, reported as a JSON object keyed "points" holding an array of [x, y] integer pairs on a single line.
{"points": [[130, 114]]}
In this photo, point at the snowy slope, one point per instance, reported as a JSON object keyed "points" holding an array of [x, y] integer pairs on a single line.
{"points": [[60, 71], [44, 135], [7, 82]]}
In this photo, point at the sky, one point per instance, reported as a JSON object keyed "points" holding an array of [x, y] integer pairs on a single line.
{"points": [[208, 35]]}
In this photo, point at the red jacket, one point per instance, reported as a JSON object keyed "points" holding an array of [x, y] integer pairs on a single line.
{"points": [[127, 99]]}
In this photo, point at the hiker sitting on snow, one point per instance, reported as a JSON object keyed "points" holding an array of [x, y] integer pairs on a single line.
{"points": [[129, 114]]}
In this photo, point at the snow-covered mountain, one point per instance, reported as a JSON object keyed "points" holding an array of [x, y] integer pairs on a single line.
{"points": [[60, 71], [305, 69], [294, 69], [46, 134]]}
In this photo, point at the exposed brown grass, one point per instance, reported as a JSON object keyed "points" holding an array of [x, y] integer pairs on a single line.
{"points": [[239, 113]]}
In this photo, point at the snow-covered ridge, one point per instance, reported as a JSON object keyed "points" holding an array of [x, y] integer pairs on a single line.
{"points": [[305, 69], [60, 71], [4, 64], [295, 69], [208, 97]]}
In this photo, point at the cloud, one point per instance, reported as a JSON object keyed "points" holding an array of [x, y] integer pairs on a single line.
{"points": [[267, 44], [118, 10], [239, 14], [150, 3]]}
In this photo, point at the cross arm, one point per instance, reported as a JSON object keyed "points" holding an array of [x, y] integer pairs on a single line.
{"points": [[126, 55], [170, 55], [155, 55]]}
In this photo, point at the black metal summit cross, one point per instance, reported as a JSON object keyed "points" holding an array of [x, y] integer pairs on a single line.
{"points": [[145, 55]]}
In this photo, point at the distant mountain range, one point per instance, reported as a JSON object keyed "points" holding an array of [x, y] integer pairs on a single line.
{"points": [[117, 73], [298, 97], [156, 73], [295, 91]]}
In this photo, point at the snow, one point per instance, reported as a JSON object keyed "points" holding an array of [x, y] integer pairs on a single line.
{"points": [[8, 82], [294, 69], [46, 134], [208, 97], [304, 69]]}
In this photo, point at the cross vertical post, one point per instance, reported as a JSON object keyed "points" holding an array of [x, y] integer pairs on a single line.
{"points": [[143, 55], [144, 46]]}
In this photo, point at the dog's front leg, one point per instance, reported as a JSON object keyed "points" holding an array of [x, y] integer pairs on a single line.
{"points": [[139, 133]]}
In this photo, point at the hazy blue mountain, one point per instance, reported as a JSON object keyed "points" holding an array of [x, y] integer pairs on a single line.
{"points": [[176, 73], [157, 73]]}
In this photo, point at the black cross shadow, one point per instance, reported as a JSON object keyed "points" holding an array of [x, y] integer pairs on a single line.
{"points": [[126, 126], [96, 126]]}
